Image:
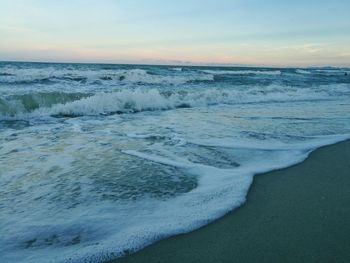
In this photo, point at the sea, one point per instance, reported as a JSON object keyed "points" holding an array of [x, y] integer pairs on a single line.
{"points": [[98, 161]]}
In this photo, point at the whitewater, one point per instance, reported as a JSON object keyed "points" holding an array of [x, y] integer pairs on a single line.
{"points": [[98, 161]]}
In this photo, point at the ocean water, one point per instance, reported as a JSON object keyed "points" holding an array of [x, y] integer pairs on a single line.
{"points": [[98, 161]]}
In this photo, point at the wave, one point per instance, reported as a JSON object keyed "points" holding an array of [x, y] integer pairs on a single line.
{"points": [[137, 100], [323, 72], [332, 72], [125, 101], [177, 69], [6, 74], [26, 103], [243, 72], [302, 71], [131, 76], [142, 76]]}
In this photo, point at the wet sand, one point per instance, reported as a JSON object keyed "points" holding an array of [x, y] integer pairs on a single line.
{"points": [[297, 214]]}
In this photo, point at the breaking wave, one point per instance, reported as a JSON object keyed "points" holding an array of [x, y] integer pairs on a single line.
{"points": [[26, 103], [137, 100]]}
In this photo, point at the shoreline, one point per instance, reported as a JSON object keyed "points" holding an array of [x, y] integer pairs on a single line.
{"points": [[295, 214]]}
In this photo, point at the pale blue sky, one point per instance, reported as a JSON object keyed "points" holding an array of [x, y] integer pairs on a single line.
{"points": [[269, 32]]}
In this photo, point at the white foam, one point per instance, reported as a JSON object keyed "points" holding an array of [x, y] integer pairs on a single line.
{"points": [[310, 143], [177, 69], [158, 159], [302, 71], [105, 227]]}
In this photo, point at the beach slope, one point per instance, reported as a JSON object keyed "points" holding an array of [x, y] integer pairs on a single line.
{"points": [[297, 214]]}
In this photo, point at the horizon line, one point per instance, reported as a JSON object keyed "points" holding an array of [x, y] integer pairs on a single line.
{"points": [[180, 64]]}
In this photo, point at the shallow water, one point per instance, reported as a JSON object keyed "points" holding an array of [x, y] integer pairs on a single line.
{"points": [[101, 160]]}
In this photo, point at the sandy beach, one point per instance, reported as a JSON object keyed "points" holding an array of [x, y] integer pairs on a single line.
{"points": [[297, 214]]}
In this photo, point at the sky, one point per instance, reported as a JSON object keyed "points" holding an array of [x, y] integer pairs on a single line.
{"points": [[238, 32]]}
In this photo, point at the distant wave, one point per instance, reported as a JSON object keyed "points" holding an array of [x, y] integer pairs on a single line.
{"points": [[332, 72], [131, 76], [177, 69], [326, 72], [302, 71], [242, 72], [142, 76]]}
